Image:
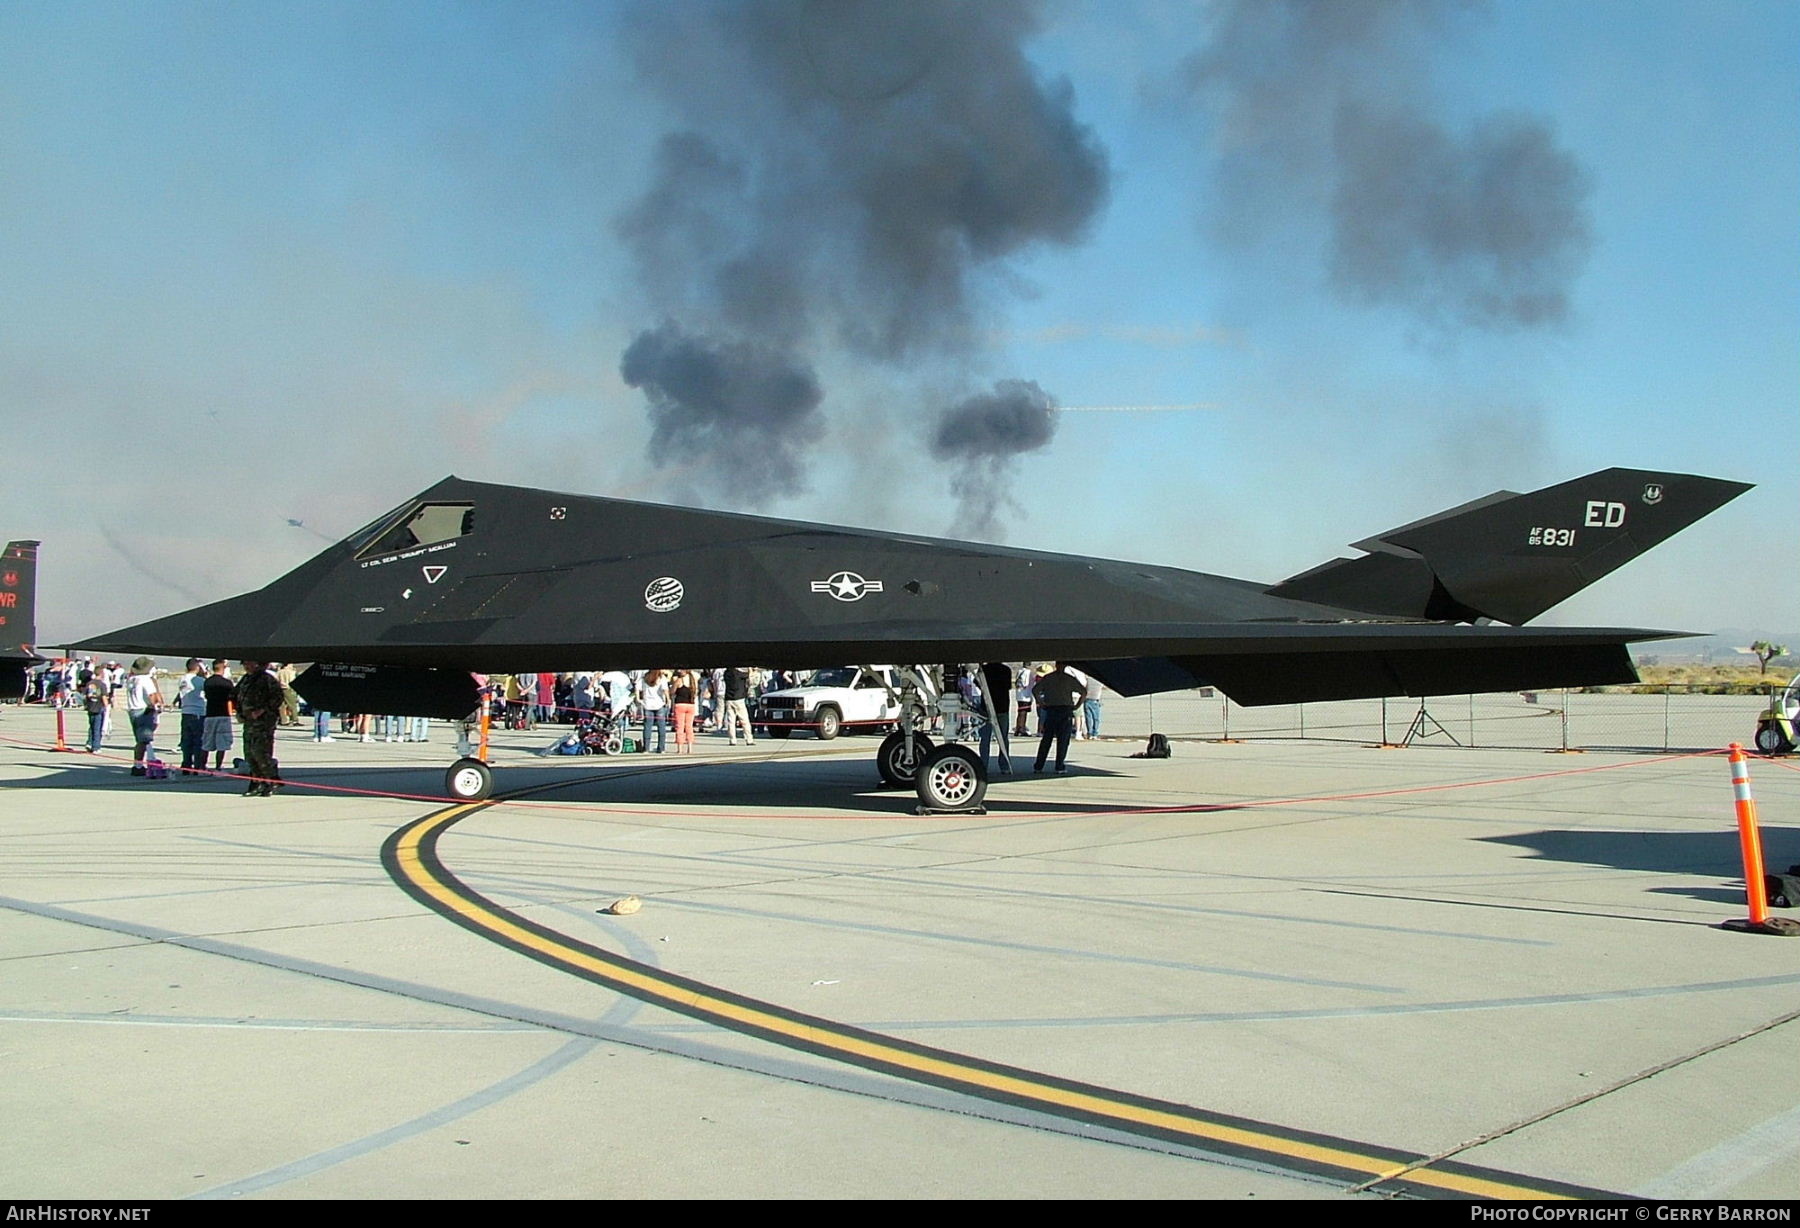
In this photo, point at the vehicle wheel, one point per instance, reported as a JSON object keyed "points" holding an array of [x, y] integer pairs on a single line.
{"points": [[951, 778], [829, 724], [469, 780], [898, 769], [773, 731], [613, 744], [1771, 741]]}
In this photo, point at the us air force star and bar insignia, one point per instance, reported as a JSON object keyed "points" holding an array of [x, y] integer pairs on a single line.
{"points": [[847, 586]]}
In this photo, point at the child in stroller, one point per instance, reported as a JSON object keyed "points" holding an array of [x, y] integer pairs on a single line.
{"points": [[598, 733]]}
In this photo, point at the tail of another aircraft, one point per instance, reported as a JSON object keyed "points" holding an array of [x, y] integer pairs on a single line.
{"points": [[1509, 557], [18, 599], [18, 616]]}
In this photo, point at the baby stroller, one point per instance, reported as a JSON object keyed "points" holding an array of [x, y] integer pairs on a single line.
{"points": [[598, 734]]}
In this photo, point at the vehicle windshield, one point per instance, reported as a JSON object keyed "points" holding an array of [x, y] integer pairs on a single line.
{"points": [[842, 676]]}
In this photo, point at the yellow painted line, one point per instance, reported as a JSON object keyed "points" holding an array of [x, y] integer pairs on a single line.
{"points": [[451, 896]]}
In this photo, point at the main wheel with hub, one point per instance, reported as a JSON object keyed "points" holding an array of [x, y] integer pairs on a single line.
{"points": [[951, 778]]}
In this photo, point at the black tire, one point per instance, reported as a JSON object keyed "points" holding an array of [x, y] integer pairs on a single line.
{"points": [[951, 778], [1771, 741], [469, 780], [773, 731], [897, 770], [830, 724]]}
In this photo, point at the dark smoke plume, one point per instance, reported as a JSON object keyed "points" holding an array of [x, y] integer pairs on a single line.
{"points": [[983, 437], [740, 412], [851, 175], [1323, 111]]}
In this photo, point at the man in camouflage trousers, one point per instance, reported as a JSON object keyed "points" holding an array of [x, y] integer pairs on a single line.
{"points": [[258, 702]]}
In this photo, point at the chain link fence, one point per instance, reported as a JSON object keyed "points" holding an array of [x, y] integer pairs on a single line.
{"points": [[1640, 718]]}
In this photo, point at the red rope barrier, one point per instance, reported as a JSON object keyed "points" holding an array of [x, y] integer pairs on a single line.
{"points": [[1192, 808]]}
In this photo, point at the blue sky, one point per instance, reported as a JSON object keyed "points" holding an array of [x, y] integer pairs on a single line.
{"points": [[270, 261]]}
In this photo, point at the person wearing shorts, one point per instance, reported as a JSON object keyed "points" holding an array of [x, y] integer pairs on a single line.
{"points": [[215, 735]]}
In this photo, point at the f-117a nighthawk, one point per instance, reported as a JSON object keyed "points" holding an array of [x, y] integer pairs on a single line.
{"points": [[470, 577]]}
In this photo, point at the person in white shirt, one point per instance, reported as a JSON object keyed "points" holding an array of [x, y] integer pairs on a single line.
{"points": [[142, 701], [618, 692], [190, 697], [1086, 684], [1027, 678], [653, 696], [1090, 708]]}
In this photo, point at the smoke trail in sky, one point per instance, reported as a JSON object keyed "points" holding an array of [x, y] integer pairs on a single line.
{"points": [[1327, 111], [983, 437], [743, 406], [849, 177]]}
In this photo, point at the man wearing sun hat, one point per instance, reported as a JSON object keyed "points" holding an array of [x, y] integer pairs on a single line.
{"points": [[142, 701]]}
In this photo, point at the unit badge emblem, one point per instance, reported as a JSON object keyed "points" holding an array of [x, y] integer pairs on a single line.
{"points": [[663, 594]]}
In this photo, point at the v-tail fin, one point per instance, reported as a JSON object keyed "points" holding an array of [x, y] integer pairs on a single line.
{"points": [[1509, 557]]}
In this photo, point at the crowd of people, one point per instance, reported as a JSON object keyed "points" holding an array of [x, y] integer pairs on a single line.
{"points": [[655, 703], [206, 700]]}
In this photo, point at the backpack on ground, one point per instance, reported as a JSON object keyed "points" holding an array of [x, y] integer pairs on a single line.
{"points": [[1158, 748], [1783, 890]]}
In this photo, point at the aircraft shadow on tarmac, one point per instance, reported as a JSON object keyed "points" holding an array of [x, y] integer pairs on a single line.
{"points": [[721, 785], [1696, 853]]}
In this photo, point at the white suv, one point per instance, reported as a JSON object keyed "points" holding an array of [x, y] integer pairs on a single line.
{"points": [[833, 700]]}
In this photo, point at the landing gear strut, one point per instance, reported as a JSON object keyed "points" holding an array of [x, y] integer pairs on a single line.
{"points": [[948, 779], [469, 778]]}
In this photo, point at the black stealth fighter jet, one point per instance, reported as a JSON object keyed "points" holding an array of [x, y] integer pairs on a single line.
{"points": [[468, 576]]}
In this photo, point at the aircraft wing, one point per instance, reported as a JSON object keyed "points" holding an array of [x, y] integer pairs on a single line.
{"points": [[475, 577]]}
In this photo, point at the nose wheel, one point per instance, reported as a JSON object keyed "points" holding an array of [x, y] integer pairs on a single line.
{"points": [[469, 780]]}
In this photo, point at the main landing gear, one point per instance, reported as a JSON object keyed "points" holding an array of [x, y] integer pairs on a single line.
{"points": [[949, 779]]}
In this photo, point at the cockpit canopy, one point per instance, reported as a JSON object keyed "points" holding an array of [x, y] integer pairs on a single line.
{"points": [[425, 524]]}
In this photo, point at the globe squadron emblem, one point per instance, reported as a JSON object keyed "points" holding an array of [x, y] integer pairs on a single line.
{"points": [[663, 594], [1653, 493], [847, 586]]}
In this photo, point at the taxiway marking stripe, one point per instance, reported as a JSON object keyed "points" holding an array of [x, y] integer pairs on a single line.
{"points": [[411, 858]]}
